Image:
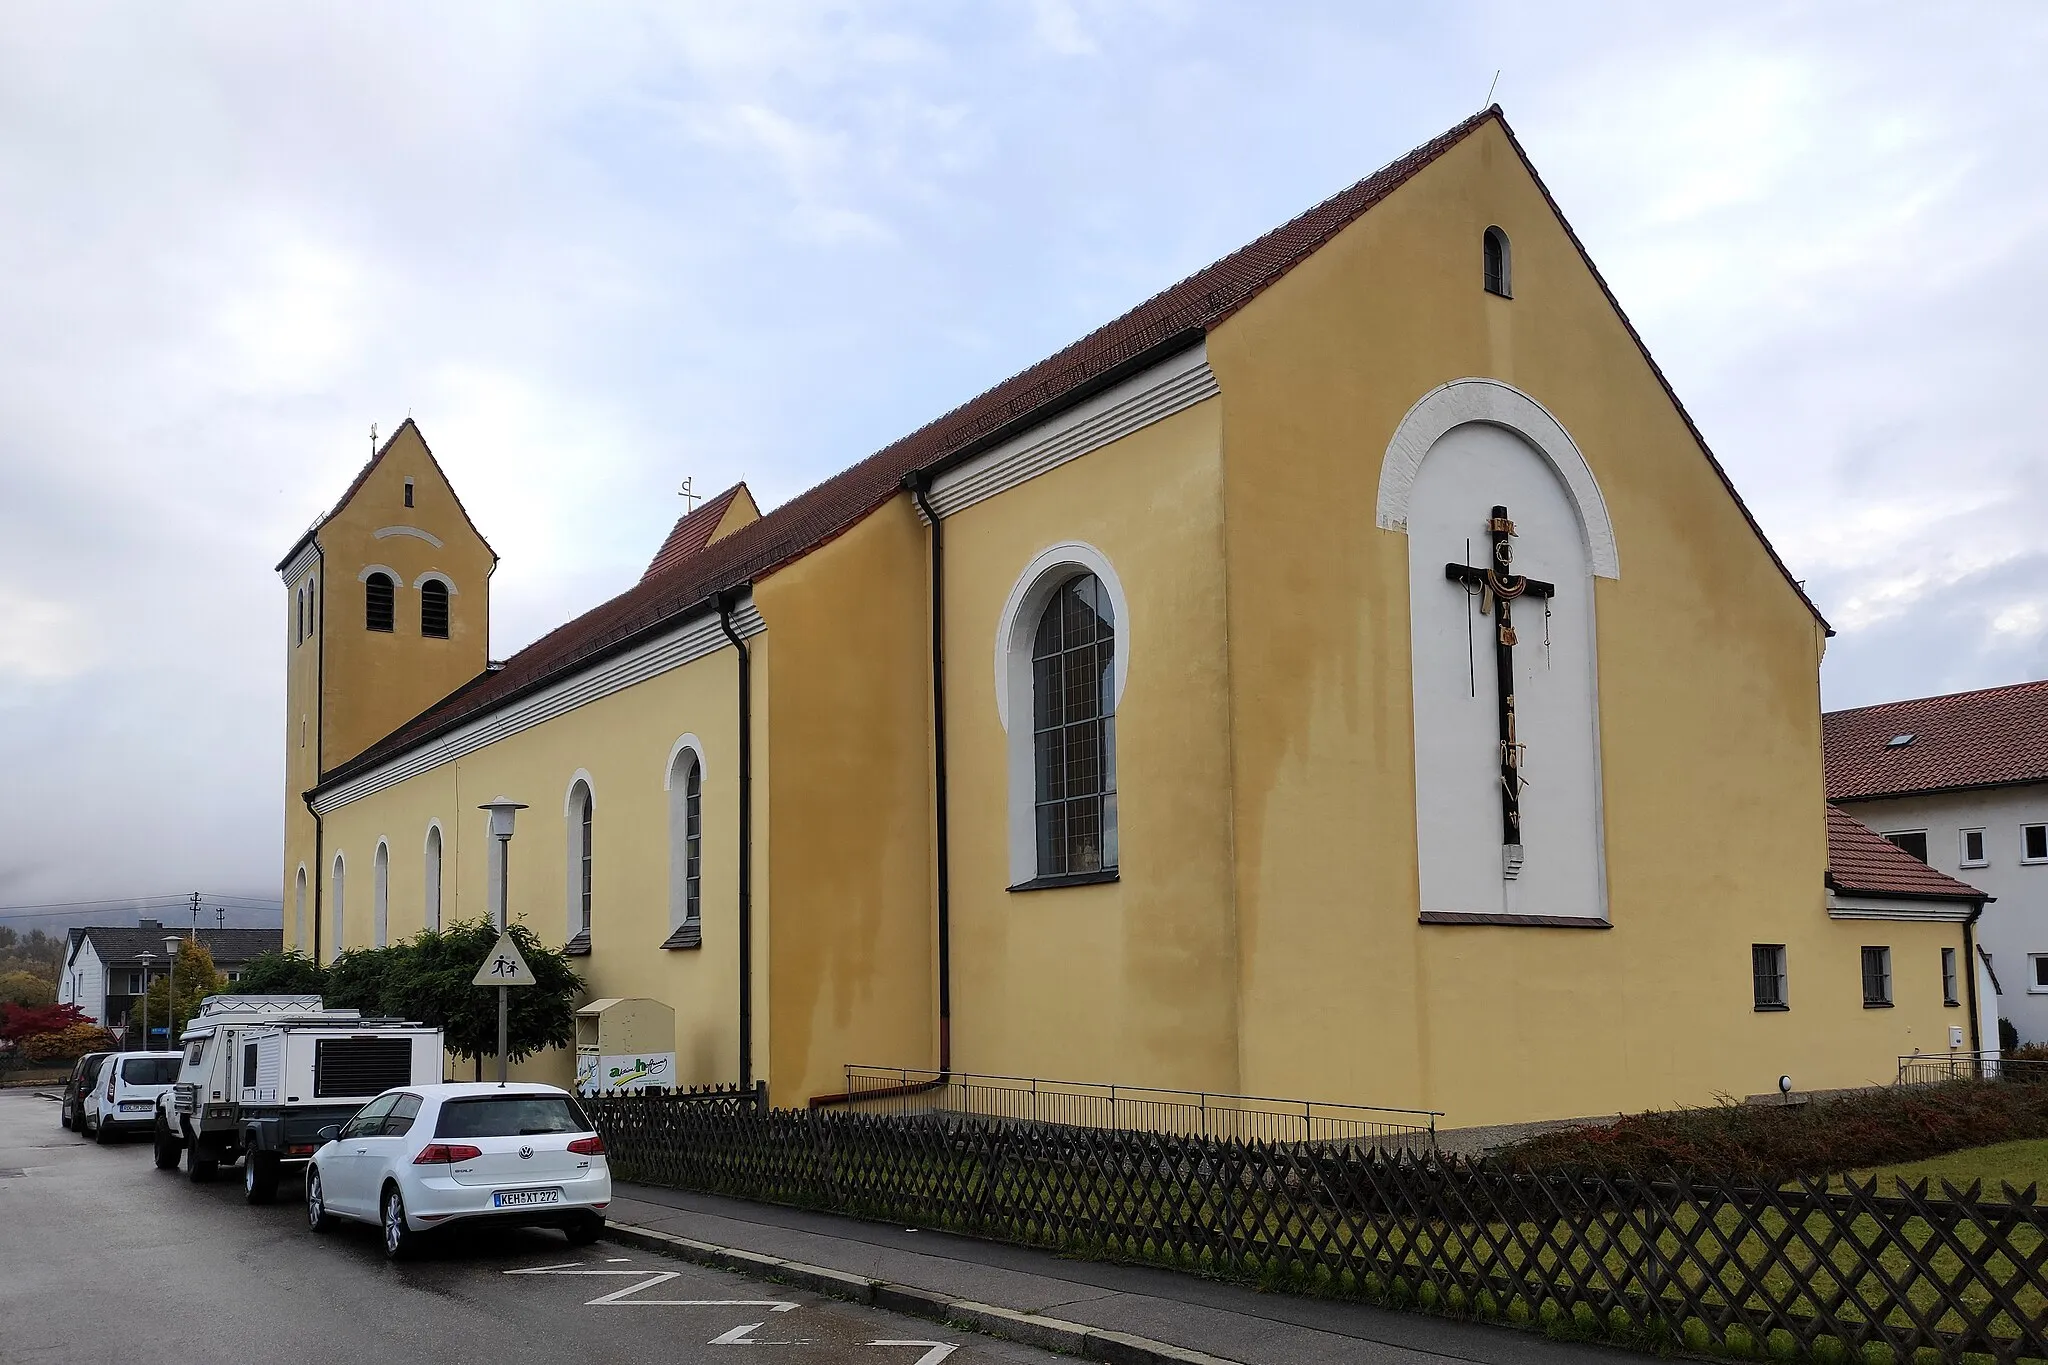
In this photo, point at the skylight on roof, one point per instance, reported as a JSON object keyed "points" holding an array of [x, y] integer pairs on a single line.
{"points": [[1898, 741]]}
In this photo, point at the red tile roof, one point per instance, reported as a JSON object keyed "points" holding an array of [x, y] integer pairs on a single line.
{"points": [[692, 533], [1991, 738], [1862, 861], [1168, 322]]}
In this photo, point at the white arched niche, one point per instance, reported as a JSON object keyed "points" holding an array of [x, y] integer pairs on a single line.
{"points": [[1049, 570], [380, 895], [1465, 448], [339, 898], [299, 910], [430, 900]]}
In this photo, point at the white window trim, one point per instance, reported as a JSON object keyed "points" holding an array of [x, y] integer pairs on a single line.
{"points": [[1963, 858], [2034, 974], [1888, 835], [299, 910], [677, 872], [434, 860], [397, 579], [380, 894], [572, 825], [337, 892], [386, 532], [436, 576], [1015, 631], [2024, 859]]}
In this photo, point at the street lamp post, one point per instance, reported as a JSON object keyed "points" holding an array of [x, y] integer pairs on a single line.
{"points": [[503, 810], [171, 995], [147, 958]]}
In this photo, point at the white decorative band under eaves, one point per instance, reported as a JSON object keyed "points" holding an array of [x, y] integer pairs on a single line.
{"points": [[689, 642], [1172, 385]]}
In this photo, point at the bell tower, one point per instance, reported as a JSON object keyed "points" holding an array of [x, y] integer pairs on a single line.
{"points": [[388, 610]]}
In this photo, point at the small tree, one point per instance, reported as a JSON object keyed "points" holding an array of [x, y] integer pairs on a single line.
{"points": [[68, 1044], [21, 1022], [196, 979], [24, 987], [430, 980], [282, 973]]}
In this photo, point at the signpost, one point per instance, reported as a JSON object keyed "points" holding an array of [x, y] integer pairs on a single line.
{"points": [[504, 968]]}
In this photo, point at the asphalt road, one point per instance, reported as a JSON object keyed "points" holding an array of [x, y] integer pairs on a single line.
{"points": [[103, 1258]]}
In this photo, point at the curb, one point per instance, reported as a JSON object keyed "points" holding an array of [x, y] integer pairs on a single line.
{"points": [[1026, 1329]]}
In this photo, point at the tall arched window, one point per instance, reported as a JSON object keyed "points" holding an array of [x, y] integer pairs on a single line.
{"points": [[582, 810], [340, 869], [380, 602], [380, 896], [685, 849], [1073, 696], [434, 609], [432, 899], [299, 910], [1495, 252]]}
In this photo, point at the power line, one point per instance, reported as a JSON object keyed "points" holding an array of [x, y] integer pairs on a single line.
{"points": [[177, 897]]}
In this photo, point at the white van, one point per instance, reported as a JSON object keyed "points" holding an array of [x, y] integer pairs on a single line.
{"points": [[124, 1100]]}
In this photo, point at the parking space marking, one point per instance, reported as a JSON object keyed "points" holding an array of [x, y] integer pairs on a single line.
{"points": [[938, 1352], [619, 1298]]}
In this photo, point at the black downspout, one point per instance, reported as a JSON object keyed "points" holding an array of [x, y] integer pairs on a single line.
{"points": [[727, 601], [1970, 966], [919, 485], [320, 708]]}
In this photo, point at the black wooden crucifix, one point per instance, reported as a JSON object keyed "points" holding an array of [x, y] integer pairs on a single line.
{"points": [[1498, 588]]}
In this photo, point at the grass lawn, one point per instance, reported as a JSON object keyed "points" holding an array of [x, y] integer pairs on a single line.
{"points": [[2019, 1163]]}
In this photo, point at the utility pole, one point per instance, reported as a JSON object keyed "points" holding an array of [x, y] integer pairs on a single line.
{"points": [[220, 918], [195, 914]]}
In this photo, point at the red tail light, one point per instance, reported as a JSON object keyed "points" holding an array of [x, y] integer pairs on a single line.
{"points": [[590, 1146], [435, 1153]]}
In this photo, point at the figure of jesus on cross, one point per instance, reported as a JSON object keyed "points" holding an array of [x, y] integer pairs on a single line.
{"points": [[1498, 587]]}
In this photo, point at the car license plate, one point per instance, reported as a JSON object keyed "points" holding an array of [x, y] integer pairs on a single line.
{"points": [[519, 1199], [135, 1106]]}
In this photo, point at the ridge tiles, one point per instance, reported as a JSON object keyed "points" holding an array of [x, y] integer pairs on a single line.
{"points": [[1996, 736]]}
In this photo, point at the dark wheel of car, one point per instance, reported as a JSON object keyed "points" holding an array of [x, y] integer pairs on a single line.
{"points": [[400, 1241], [317, 1216], [64, 1115], [166, 1148], [200, 1168], [584, 1233], [259, 1177], [102, 1134]]}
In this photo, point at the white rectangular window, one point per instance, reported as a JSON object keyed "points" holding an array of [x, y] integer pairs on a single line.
{"points": [[1973, 848], [2034, 843], [1913, 841], [1948, 977], [2038, 963]]}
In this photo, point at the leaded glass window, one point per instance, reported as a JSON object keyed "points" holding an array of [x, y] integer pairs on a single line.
{"points": [[583, 856], [693, 841], [1073, 688]]}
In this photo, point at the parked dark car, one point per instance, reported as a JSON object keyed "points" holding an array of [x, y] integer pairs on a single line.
{"points": [[85, 1075]]}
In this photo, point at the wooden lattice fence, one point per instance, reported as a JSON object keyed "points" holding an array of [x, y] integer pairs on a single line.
{"points": [[1806, 1269]]}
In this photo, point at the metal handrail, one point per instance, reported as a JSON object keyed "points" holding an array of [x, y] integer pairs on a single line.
{"points": [[1103, 1104]]}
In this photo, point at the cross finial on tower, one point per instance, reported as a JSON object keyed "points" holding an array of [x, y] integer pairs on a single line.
{"points": [[373, 438], [689, 497]]}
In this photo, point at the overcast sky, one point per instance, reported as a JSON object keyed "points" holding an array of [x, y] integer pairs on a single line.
{"points": [[594, 249]]}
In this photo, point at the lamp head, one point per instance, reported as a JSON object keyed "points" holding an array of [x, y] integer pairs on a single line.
{"points": [[1784, 1085], [171, 945], [502, 812]]}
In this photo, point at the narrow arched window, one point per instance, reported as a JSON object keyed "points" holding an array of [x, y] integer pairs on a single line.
{"points": [[340, 869], [299, 911], [581, 819], [434, 609], [685, 849], [431, 911], [1498, 264], [1073, 687], [380, 897], [380, 602]]}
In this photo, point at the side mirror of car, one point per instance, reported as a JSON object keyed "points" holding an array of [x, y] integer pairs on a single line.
{"points": [[331, 1133]]}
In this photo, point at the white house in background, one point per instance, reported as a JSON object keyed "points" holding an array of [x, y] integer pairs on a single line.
{"points": [[105, 972], [1961, 782]]}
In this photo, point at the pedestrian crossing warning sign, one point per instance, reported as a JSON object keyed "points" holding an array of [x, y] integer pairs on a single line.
{"points": [[504, 967]]}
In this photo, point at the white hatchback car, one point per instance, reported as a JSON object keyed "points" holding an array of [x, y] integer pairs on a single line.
{"points": [[431, 1156]]}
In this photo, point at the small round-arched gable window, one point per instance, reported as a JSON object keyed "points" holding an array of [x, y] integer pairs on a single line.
{"points": [[1498, 263]]}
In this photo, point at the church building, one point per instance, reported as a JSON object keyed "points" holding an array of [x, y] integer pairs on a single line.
{"points": [[1347, 676]]}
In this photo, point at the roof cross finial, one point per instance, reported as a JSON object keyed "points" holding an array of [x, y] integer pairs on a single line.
{"points": [[689, 497], [373, 438]]}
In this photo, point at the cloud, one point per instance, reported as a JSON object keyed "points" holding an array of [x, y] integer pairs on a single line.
{"points": [[595, 254]]}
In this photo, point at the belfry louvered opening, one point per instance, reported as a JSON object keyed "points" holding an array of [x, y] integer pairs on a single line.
{"points": [[434, 609], [380, 602]]}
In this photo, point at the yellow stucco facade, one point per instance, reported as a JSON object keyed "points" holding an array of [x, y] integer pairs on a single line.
{"points": [[1260, 933]]}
